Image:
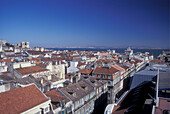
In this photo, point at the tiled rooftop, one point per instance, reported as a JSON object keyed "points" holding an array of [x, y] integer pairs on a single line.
{"points": [[85, 71], [30, 70], [104, 70], [21, 99], [55, 96]]}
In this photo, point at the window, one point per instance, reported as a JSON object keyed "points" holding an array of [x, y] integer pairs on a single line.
{"points": [[99, 76], [74, 94], [69, 109], [80, 102], [46, 109], [109, 77]]}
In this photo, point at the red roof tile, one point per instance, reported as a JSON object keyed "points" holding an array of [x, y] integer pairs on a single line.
{"points": [[80, 63], [6, 60], [119, 68], [35, 59], [125, 67], [104, 70], [129, 64], [156, 61], [21, 99], [33, 52], [164, 104], [85, 71], [30, 70], [55, 96]]}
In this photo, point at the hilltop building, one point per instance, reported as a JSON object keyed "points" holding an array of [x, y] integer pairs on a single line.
{"points": [[23, 45], [129, 51]]}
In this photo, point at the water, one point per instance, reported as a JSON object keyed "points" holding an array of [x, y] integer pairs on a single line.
{"points": [[154, 52]]}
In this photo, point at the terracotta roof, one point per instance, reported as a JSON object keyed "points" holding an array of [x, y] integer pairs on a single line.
{"points": [[102, 60], [115, 57], [119, 68], [21, 99], [137, 60], [116, 61], [33, 52], [35, 59], [90, 55], [47, 59], [77, 58], [41, 65], [132, 62], [156, 61], [6, 60], [80, 63], [85, 71], [7, 72], [104, 70], [55, 96], [63, 62], [30, 70], [13, 55], [129, 64], [164, 104], [125, 67], [8, 51], [52, 59]]}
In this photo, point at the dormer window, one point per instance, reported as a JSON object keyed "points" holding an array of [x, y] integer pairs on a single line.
{"points": [[93, 81], [84, 87], [72, 93]]}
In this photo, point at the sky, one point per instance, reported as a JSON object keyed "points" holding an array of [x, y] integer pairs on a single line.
{"points": [[86, 23]]}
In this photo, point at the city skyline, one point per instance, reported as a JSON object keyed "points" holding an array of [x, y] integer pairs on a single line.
{"points": [[112, 23]]}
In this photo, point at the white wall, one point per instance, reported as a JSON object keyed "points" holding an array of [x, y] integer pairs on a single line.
{"points": [[4, 87], [3, 68], [72, 68], [22, 64]]}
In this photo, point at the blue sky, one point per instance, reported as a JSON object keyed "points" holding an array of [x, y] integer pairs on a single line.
{"points": [[110, 23]]}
